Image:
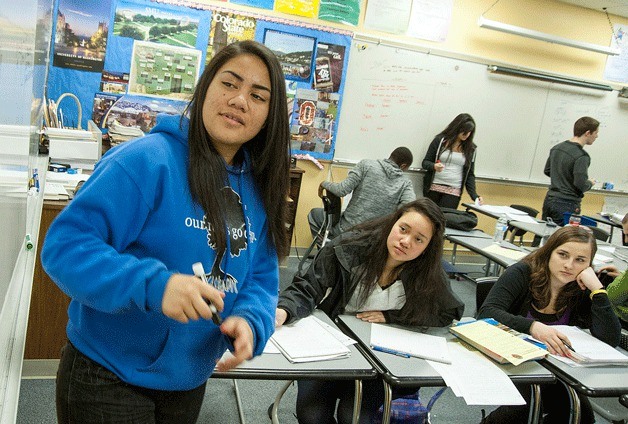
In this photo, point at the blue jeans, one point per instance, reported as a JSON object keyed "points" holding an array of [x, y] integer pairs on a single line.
{"points": [[554, 207], [89, 393]]}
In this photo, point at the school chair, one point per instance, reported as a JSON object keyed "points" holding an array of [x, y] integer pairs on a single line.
{"points": [[518, 232], [599, 233], [610, 408], [483, 286], [332, 206]]}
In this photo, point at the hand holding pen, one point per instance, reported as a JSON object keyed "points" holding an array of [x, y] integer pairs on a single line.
{"points": [[555, 341], [199, 271], [185, 298]]}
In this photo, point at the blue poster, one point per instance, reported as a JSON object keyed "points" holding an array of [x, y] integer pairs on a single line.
{"points": [[262, 4]]}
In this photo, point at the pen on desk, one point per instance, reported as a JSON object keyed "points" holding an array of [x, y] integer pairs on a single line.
{"points": [[199, 271], [391, 351]]}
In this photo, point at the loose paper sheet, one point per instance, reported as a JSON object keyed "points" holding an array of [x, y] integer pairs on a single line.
{"points": [[496, 249], [414, 344]]}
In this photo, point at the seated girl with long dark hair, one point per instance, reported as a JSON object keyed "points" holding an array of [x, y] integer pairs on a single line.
{"points": [[387, 270]]}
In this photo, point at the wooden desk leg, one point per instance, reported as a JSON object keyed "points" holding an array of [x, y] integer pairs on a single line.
{"points": [[273, 414], [575, 404], [387, 402], [357, 401], [535, 404]]}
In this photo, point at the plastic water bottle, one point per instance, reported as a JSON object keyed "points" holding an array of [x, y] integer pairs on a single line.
{"points": [[500, 229], [550, 227]]}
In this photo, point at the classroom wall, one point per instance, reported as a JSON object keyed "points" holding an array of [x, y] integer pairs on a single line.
{"points": [[465, 37]]}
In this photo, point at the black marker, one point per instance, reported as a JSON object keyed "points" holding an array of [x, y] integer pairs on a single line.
{"points": [[199, 271]]}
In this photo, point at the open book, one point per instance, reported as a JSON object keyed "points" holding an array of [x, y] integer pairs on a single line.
{"points": [[590, 352], [308, 340], [498, 341]]}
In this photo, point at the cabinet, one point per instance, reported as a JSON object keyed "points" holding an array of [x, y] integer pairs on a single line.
{"points": [[48, 309]]}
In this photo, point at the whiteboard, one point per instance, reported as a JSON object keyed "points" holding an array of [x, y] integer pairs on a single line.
{"points": [[399, 97]]}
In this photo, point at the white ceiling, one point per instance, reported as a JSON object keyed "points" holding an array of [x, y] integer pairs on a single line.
{"points": [[614, 7]]}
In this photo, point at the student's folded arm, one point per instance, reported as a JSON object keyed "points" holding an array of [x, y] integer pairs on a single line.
{"points": [[408, 195], [605, 324], [308, 290]]}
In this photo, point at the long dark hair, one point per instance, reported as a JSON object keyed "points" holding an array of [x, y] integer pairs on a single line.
{"points": [[269, 150], [425, 275], [540, 286], [461, 124]]}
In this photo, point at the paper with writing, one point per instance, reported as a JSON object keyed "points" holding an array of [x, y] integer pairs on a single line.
{"points": [[414, 344]]}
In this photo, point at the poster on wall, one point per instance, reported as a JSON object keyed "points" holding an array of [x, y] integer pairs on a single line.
{"points": [[158, 25], [313, 121], [141, 112], [294, 51], [114, 82], [261, 4], [346, 12], [102, 104], [306, 8], [227, 28], [80, 38], [328, 67], [160, 70], [617, 66]]}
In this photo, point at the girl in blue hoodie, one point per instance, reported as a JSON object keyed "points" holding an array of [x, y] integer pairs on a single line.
{"points": [[209, 187]]}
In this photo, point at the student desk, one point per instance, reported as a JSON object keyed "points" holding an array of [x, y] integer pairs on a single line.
{"points": [[415, 372], [604, 220], [274, 366], [589, 381], [537, 228], [454, 232], [480, 209], [477, 244]]}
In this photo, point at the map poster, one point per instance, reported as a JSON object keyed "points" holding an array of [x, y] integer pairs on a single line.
{"points": [[160, 70]]}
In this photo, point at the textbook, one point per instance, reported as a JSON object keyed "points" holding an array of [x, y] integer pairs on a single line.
{"points": [[498, 342], [591, 352]]}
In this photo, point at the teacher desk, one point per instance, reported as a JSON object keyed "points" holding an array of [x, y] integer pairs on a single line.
{"points": [[397, 371]]}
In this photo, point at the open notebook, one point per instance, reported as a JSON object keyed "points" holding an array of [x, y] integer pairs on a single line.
{"points": [[591, 351], [308, 340]]}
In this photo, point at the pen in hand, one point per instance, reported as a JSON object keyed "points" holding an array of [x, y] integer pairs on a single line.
{"points": [[199, 271]]}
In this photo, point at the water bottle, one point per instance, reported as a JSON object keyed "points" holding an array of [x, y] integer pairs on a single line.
{"points": [[500, 229], [550, 227]]}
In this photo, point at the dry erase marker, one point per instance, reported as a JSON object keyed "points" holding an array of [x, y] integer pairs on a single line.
{"points": [[29, 243], [199, 271]]}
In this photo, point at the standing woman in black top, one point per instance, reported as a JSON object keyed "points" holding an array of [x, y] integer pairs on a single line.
{"points": [[450, 163]]}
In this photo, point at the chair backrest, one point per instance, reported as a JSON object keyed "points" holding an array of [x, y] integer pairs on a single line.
{"points": [[527, 209], [483, 286], [599, 233], [332, 206]]}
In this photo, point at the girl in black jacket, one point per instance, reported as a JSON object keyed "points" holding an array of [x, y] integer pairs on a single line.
{"points": [[388, 270], [553, 285]]}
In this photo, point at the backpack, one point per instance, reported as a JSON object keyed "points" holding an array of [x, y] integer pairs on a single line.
{"points": [[409, 409], [460, 220]]}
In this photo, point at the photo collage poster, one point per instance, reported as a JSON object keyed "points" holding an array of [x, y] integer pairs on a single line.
{"points": [[155, 53]]}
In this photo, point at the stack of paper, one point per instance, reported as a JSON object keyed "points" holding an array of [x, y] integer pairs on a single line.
{"points": [[55, 191], [396, 340], [591, 351], [308, 340]]}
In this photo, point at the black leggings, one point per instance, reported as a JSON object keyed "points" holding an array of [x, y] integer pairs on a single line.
{"points": [[444, 200]]}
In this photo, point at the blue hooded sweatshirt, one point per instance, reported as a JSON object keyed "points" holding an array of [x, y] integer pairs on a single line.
{"points": [[131, 226]]}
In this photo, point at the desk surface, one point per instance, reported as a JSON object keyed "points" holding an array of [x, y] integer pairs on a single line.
{"points": [[472, 233], [604, 220], [537, 228], [591, 381], [274, 366], [477, 244], [410, 372]]}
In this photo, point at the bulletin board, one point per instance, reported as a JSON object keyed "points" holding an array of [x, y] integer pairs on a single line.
{"points": [[132, 59]]}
